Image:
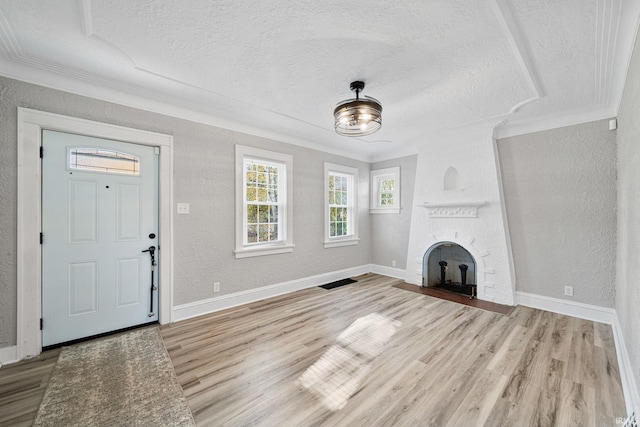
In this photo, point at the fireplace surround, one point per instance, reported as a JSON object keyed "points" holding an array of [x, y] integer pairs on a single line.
{"points": [[459, 200]]}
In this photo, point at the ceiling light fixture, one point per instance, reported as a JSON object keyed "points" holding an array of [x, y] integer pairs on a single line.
{"points": [[358, 117]]}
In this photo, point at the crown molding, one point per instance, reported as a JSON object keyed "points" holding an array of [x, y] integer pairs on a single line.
{"points": [[539, 124]]}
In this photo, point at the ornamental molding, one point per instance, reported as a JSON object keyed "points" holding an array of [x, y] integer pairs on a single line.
{"points": [[452, 209]]}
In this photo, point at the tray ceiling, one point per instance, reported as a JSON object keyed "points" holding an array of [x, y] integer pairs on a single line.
{"points": [[278, 68]]}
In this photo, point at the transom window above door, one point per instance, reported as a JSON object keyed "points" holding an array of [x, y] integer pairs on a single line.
{"points": [[102, 160]]}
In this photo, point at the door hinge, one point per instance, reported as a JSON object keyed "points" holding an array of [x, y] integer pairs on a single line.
{"points": [[41, 323], [41, 151], [41, 238]]}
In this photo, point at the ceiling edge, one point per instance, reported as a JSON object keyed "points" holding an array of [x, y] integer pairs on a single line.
{"points": [[48, 78], [569, 118], [626, 49], [519, 47]]}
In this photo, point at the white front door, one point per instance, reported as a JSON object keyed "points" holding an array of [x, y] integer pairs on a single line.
{"points": [[99, 212]]}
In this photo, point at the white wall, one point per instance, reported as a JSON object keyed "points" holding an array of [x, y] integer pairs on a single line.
{"points": [[560, 194], [627, 300], [390, 232]]}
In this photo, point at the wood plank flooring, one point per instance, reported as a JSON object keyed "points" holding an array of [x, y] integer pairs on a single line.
{"points": [[446, 365], [22, 387]]}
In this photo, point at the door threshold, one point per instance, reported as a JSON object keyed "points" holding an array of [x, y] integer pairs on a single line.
{"points": [[93, 337]]}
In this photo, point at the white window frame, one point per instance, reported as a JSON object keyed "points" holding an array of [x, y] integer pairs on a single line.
{"points": [[285, 213], [376, 177], [352, 202]]}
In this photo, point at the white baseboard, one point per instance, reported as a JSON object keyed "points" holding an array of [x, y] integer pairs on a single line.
{"points": [[398, 273], [198, 308], [629, 386], [8, 355], [569, 308]]}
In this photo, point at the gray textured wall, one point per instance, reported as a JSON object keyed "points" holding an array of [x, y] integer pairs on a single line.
{"points": [[204, 177], [628, 266], [390, 232], [560, 194]]}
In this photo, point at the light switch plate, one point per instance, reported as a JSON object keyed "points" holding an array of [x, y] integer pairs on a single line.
{"points": [[183, 208]]}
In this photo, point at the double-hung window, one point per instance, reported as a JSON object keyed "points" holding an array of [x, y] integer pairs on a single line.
{"points": [[385, 190], [341, 213], [263, 202]]}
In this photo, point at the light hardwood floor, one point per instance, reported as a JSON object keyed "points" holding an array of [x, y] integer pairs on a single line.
{"points": [[446, 365]]}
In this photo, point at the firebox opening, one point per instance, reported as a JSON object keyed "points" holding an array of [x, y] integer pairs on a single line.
{"points": [[449, 266]]}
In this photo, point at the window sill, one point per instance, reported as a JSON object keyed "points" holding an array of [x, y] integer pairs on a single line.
{"points": [[384, 210], [342, 242], [260, 251]]}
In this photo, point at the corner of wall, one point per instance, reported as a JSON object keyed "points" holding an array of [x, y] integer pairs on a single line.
{"points": [[8, 355]]}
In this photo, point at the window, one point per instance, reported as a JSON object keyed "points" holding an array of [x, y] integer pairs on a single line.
{"points": [[263, 202], [103, 160], [341, 213], [385, 190]]}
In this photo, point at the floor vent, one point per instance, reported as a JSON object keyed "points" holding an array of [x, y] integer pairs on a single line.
{"points": [[338, 283]]}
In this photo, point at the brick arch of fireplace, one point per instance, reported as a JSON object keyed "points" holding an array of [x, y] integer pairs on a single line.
{"points": [[484, 269]]}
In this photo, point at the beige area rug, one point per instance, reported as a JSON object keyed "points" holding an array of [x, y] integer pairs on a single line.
{"points": [[126, 380]]}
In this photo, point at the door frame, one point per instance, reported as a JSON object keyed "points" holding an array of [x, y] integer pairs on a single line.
{"points": [[29, 209]]}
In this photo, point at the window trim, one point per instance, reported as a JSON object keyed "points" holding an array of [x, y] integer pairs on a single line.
{"points": [[375, 176], [285, 245], [351, 239]]}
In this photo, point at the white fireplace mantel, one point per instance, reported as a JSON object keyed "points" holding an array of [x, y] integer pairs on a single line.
{"points": [[452, 209]]}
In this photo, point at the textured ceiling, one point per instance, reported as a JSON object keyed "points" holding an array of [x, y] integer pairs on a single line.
{"points": [[277, 68]]}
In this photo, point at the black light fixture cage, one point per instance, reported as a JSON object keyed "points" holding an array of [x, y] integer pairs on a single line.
{"points": [[358, 117]]}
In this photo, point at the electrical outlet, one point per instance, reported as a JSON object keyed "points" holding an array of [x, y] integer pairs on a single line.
{"points": [[393, 263], [182, 208], [216, 286], [568, 291]]}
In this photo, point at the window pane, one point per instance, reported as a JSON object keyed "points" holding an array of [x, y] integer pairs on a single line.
{"points": [[251, 177], [252, 214], [262, 179], [262, 194], [103, 160], [273, 194], [273, 213], [273, 232], [252, 235], [263, 214], [251, 194], [273, 176], [343, 198], [263, 233]]}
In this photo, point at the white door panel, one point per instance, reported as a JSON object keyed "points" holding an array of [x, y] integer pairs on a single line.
{"points": [[96, 223]]}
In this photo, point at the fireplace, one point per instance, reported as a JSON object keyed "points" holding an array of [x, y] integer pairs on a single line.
{"points": [[458, 200], [449, 266]]}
